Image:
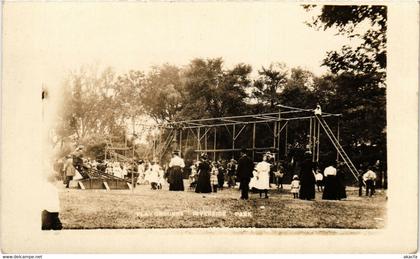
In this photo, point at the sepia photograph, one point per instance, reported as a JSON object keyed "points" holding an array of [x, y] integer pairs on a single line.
{"points": [[257, 118], [271, 141]]}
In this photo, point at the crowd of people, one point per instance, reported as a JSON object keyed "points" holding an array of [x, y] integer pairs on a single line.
{"points": [[206, 176]]}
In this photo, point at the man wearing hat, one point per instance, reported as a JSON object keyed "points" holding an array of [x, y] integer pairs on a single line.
{"points": [[231, 172], [175, 178], [78, 160], [68, 170], [244, 173]]}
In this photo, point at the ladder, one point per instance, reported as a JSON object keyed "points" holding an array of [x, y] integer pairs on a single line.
{"points": [[338, 146]]}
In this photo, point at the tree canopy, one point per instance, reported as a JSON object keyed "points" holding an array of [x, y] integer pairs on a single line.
{"points": [[366, 23]]}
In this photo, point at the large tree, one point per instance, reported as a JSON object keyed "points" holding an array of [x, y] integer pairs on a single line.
{"points": [[366, 23], [269, 84], [163, 95], [212, 91], [94, 104]]}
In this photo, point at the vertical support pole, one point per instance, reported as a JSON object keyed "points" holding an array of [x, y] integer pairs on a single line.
{"points": [[214, 143], [285, 141], [233, 140], [278, 137], [180, 143], [274, 134], [314, 139], [253, 141], [317, 143], [278, 141], [132, 173], [310, 133], [338, 137], [205, 139], [198, 143]]}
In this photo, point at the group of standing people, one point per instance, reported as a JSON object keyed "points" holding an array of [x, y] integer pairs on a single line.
{"points": [[215, 171], [245, 172], [331, 182], [150, 173], [210, 176]]}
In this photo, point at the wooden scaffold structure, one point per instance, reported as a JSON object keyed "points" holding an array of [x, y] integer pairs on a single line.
{"points": [[277, 122]]}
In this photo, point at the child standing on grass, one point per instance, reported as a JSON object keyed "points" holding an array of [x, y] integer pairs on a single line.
{"points": [[213, 177], [295, 186], [319, 177]]}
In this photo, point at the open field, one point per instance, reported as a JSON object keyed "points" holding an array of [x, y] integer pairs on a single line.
{"points": [[145, 208]]}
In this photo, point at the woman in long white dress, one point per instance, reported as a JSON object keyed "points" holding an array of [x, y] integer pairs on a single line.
{"points": [[154, 176], [262, 177]]}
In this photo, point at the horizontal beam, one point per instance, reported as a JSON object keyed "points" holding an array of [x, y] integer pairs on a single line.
{"points": [[258, 121], [249, 116], [118, 148], [267, 117], [234, 149], [220, 121], [224, 118]]}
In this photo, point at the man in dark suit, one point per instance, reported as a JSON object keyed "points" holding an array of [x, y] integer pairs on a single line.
{"points": [[244, 173]]}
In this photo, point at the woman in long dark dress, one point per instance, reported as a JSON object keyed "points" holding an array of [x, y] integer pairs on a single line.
{"points": [[307, 179], [203, 182], [341, 182], [221, 175], [330, 183]]}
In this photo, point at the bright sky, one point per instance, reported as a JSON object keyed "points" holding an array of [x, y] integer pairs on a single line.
{"points": [[64, 36]]}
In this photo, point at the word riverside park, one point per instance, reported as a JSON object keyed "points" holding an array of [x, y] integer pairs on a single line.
{"points": [[199, 213]]}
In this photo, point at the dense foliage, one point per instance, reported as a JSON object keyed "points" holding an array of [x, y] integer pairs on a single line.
{"points": [[99, 105]]}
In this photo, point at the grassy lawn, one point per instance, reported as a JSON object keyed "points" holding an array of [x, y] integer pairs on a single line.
{"points": [[145, 208]]}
